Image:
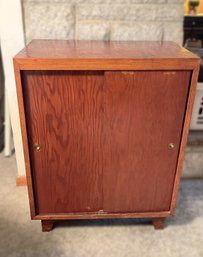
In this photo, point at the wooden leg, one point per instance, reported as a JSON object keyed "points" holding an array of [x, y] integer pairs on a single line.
{"points": [[158, 223], [47, 225]]}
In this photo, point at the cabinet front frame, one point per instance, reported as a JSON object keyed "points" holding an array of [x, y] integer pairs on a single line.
{"points": [[193, 66]]}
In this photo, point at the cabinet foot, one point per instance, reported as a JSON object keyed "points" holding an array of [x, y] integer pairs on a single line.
{"points": [[158, 223], [47, 225]]}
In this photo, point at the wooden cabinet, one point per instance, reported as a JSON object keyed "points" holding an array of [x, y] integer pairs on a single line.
{"points": [[104, 127]]}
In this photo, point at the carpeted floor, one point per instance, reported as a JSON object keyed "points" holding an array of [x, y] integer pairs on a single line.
{"points": [[21, 237]]}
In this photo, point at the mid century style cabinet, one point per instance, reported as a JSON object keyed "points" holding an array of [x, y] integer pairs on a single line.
{"points": [[104, 127]]}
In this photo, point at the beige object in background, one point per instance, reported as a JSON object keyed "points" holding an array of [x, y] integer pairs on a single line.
{"points": [[11, 41]]}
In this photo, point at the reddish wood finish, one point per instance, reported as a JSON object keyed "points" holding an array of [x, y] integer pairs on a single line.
{"points": [[84, 143], [24, 139], [21, 181], [158, 223], [186, 126], [144, 113], [102, 55], [155, 57], [96, 215], [83, 49], [64, 116], [47, 225]]}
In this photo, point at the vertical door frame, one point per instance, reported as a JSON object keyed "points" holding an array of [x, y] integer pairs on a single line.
{"points": [[24, 138], [185, 131]]}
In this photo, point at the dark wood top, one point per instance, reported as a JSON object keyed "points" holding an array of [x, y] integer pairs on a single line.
{"points": [[127, 54]]}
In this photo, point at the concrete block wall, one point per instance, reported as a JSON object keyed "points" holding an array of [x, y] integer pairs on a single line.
{"points": [[104, 19]]}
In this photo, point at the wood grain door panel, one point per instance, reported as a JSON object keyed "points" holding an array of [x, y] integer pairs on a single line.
{"points": [[64, 115], [104, 138], [144, 113]]}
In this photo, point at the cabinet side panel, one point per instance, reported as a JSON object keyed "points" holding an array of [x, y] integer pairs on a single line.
{"points": [[186, 127], [144, 118], [24, 137], [64, 116]]}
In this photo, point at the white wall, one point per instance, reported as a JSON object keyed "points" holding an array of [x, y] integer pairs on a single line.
{"points": [[1, 104], [12, 41]]}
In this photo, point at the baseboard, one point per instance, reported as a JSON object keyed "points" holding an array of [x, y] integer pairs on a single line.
{"points": [[21, 181]]}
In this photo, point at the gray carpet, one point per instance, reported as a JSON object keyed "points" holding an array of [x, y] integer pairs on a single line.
{"points": [[21, 237]]}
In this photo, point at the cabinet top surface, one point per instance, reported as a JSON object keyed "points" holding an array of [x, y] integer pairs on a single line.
{"points": [[103, 54], [103, 49]]}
